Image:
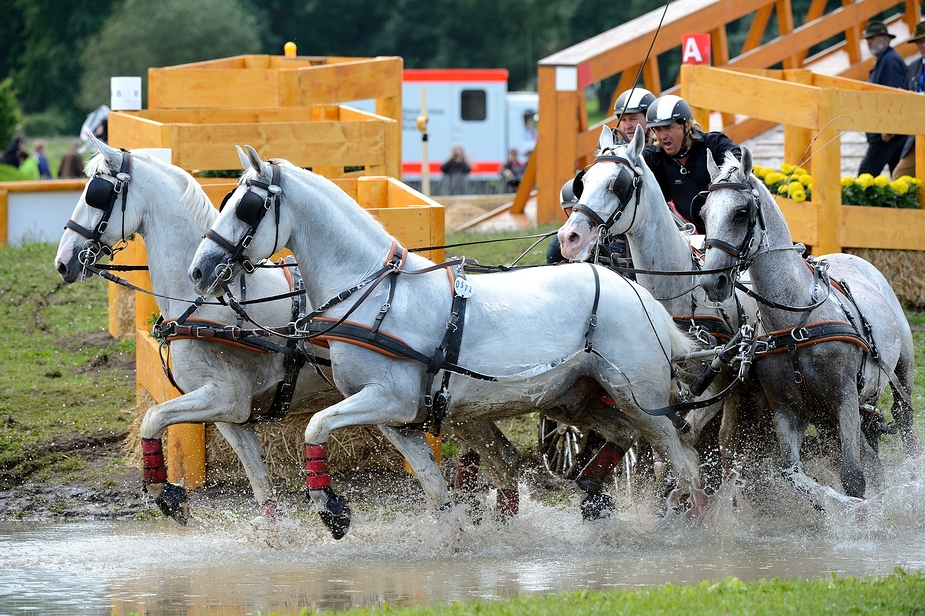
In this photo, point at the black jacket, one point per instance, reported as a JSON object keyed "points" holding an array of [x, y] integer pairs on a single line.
{"points": [[680, 187]]}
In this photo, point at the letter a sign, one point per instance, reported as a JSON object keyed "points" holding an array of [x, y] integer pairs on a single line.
{"points": [[695, 49]]}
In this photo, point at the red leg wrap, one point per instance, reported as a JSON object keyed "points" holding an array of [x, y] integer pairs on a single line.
{"points": [[467, 472], [603, 463], [317, 476], [508, 502], [154, 469]]}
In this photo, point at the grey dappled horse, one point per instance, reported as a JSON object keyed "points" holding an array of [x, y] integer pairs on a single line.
{"points": [[831, 348]]}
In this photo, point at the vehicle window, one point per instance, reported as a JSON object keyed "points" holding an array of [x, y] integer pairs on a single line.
{"points": [[473, 105]]}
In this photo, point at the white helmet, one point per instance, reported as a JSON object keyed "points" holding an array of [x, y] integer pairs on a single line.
{"points": [[667, 110]]}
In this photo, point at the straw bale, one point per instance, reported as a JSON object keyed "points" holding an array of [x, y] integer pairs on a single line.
{"points": [[122, 313], [283, 444], [903, 269]]}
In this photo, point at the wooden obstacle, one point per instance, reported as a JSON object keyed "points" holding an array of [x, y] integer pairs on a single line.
{"points": [[813, 109], [287, 108], [566, 141]]}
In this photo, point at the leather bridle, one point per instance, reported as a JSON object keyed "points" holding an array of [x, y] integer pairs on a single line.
{"points": [[251, 210], [755, 233], [101, 194], [624, 185]]}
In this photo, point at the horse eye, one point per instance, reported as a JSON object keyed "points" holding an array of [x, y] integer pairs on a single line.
{"points": [[741, 213]]}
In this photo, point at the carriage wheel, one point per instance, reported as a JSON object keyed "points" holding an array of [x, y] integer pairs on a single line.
{"points": [[562, 447]]}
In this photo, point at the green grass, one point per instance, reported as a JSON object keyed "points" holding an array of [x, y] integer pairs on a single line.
{"points": [[901, 593], [503, 247], [58, 364]]}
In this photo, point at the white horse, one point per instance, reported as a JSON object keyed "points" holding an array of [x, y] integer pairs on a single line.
{"points": [[515, 343], [225, 384], [620, 195], [829, 349]]}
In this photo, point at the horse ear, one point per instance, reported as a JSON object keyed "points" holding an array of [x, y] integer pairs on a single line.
{"points": [[712, 169], [112, 155], [242, 157], [638, 142], [255, 161], [606, 138], [746, 161]]}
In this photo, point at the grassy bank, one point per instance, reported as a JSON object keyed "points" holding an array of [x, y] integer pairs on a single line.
{"points": [[901, 593]]}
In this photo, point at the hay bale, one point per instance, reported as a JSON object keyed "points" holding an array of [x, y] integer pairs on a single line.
{"points": [[903, 269], [283, 444], [122, 313]]}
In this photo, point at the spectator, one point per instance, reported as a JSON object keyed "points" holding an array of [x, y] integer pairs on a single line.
{"points": [[915, 82], [512, 171], [13, 154], [679, 158], [455, 172], [630, 108], [38, 151], [72, 163], [888, 70]]}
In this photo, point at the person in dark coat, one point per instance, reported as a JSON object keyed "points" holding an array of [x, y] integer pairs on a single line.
{"points": [[915, 82], [888, 70], [15, 153], [679, 158]]}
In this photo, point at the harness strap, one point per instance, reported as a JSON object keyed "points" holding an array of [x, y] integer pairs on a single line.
{"points": [[592, 323], [823, 331]]}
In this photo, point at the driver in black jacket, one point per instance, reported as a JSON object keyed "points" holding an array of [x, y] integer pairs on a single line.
{"points": [[679, 157]]}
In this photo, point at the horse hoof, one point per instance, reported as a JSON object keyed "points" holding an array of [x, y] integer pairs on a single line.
{"points": [[597, 506], [173, 504], [336, 515]]}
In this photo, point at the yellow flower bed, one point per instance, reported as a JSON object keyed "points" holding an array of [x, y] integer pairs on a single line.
{"points": [[795, 183]]}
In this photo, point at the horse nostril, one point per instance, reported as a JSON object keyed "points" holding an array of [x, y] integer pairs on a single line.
{"points": [[62, 268], [572, 238], [196, 274]]}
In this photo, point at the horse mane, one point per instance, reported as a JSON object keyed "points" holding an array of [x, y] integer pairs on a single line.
{"points": [[193, 199]]}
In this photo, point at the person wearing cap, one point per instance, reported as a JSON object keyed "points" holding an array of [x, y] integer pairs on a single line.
{"points": [[915, 82], [889, 70], [630, 109], [679, 157]]}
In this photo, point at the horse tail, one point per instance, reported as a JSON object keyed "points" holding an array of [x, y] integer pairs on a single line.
{"points": [[681, 344]]}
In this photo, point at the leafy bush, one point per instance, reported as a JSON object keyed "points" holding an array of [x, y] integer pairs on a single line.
{"points": [[795, 183], [47, 124]]}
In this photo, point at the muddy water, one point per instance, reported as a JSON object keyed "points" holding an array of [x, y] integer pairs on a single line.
{"points": [[225, 562]]}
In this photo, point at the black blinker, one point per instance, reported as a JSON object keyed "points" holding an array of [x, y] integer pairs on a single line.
{"points": [[99, 193], [251, 208], [578, 185], [622, 186]]}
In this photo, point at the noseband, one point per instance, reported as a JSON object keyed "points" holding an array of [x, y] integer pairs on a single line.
{"points": [[101, 195], [251, 210], [621, 185], [754, 234]]}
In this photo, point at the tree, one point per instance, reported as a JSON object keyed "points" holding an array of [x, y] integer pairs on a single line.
{"points": [[10, 117], [141, 34]]}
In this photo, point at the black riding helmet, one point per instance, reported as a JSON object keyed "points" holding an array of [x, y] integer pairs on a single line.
{"points": [[667, 110], [567, 195]]}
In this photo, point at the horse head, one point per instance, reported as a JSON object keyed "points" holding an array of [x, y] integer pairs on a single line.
{"points": [[734, 222], [237, 238], [609, 195]]}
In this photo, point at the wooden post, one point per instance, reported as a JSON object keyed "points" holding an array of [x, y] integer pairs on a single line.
{"points": [[826, 152], [797, 138]]}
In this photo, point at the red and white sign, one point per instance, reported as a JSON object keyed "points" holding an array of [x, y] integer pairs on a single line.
{"points": [[695, 49]]}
